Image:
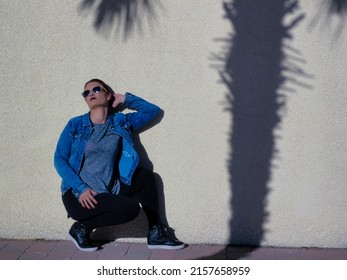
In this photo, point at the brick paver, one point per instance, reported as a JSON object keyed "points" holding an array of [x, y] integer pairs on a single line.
{"points": [[239, 253], [137, 252], [163, 255], [336, 254], [264, 254], [114, 251], [14, 249], [38, 250], [288, 254]]}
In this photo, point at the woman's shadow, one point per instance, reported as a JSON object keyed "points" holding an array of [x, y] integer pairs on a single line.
{"points": [[137, 228]]}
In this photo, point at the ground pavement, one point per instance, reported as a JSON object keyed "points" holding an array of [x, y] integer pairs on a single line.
{"points": [[66, 250]]}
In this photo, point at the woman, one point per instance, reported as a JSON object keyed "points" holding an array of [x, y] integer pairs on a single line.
{"points": [[98, 165]]}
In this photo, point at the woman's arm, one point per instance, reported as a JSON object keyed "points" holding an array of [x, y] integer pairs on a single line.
{"points": [[145, 111], [61, 162]]}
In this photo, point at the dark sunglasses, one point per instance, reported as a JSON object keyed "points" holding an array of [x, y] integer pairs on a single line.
{"points": [[96, 90]]}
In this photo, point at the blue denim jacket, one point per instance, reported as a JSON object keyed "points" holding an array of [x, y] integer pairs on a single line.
{"points": [[68, 157]]}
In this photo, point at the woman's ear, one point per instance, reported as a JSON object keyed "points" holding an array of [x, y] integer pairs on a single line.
{"points": [[109, 95]]}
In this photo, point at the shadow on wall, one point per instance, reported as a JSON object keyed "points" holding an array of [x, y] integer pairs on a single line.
{"points": [[338, 6], [331, 16], [259, 68], [122, 17]]}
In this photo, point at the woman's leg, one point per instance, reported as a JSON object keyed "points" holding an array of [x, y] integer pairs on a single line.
{"points": [[118, 209], [110, 210], [144, 184]]}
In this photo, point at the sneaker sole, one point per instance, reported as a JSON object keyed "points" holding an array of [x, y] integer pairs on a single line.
{"points": [[168, 247], [91, 249]]}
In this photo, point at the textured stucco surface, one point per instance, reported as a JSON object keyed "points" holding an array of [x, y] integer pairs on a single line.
{"points": [[50, 48]]}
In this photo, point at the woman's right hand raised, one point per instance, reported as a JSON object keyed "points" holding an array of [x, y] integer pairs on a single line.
{"points": [[87, 199], [118, 99]]}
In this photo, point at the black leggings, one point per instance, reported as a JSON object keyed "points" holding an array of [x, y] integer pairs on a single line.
{"points": [[117, 209]]}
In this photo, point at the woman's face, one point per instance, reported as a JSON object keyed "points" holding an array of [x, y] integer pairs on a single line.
{"points": [[97, 97]]}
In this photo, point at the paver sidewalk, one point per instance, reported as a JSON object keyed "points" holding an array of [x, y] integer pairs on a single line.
{"points": [[66, 250]]}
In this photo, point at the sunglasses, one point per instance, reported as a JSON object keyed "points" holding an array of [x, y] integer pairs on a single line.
{"points": [[96, 90]]}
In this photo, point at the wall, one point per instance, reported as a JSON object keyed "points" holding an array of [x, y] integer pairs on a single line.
{"points": [[252, 145]]}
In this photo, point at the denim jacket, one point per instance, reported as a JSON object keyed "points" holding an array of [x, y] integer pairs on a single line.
{"points": [[69, 154]]}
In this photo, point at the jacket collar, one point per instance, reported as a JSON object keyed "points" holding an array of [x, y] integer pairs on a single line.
{"points": [[86, 120]]}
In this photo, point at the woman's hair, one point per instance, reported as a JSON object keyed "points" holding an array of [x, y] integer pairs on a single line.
{"points": [[106, 86]]}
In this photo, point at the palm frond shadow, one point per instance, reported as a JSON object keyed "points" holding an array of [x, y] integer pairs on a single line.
{"points": [[330, 17], [121, 17]]}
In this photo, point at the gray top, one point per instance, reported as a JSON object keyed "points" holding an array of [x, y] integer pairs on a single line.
{"points": [[100, 156]]}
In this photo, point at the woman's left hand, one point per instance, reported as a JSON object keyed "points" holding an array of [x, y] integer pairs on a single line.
{"points": [[87, 199]]}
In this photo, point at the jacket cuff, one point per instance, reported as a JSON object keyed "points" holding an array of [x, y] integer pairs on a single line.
{"points": [[81, 189], [128, 99]]}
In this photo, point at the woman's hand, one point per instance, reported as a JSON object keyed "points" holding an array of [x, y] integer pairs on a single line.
{"points": [[87, 199], [118, 99]]}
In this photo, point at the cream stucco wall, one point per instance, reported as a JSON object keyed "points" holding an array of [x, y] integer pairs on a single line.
{"points": [[50, 48]]}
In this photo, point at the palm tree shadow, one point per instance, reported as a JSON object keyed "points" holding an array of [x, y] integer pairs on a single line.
{"points": [[121, 17], [258, 70]]}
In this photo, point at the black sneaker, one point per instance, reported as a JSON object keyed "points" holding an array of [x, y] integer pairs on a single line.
{"points": [[80, 235], [159, 238]]}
